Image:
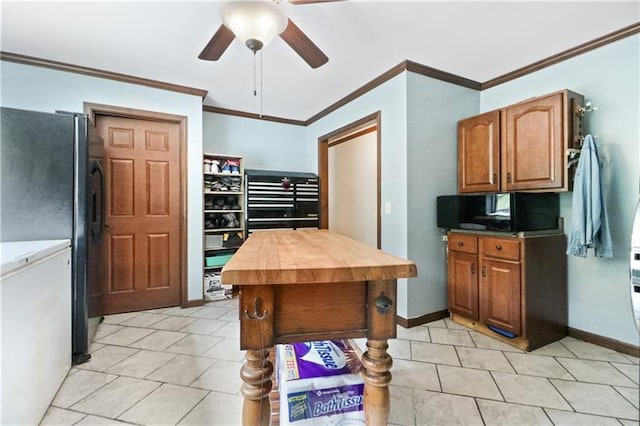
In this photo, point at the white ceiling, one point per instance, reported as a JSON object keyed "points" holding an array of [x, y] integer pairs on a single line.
{"points": [[363, 39]]}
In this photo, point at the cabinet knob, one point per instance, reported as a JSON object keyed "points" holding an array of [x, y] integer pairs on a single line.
{"points": [[460, 243], [484, 271], [509, 177], [498, 247], [495, 179], [473, 268]]}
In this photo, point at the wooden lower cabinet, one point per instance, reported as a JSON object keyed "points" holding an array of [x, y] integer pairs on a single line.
{"points": [[463, 284], [500, 295], [515, 283]]}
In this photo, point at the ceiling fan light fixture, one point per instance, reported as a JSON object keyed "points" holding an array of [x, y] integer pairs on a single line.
{"points": [[255, 23]]}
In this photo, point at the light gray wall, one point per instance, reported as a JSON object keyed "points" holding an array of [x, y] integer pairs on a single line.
{"points": [[599, 297], [433, 110], [42, 89], [262, 144], [390, 98], [416, 112]]}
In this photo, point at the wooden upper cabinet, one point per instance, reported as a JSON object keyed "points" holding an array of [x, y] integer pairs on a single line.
{"points": [[479, 153], [537, 135], [524, 144]]}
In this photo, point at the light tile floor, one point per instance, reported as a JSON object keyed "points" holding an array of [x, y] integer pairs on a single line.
{"points": [[181, 366]]}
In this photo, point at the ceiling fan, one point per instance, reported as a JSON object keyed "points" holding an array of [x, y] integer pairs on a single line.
{"points": [[256, 23]]}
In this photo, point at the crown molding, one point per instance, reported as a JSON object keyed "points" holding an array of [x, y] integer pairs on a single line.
{"points": [[382, 78], [218, 110], [562, 56], [442, 75], [471, 84], [386, 76], [94, 72]]}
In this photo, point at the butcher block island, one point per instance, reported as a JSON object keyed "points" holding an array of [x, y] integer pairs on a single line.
{"points": [[306, 285]]}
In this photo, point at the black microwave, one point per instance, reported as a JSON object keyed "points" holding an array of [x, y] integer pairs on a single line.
{"points": [[503, 211]]}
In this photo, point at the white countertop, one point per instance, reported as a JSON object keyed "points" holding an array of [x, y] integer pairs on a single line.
{"points": [[16, 254]]}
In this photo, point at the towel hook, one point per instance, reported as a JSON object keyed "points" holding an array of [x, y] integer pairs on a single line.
{"points": [[587, 107], [580, 111]]}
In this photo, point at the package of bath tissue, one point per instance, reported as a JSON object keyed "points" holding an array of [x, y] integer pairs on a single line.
{"points": [[320, 384]]}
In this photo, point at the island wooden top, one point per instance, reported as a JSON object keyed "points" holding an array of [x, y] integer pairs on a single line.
{"points": [[304, 256]]}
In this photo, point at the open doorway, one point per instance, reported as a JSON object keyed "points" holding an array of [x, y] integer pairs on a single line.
{"points": [[349, 171]]}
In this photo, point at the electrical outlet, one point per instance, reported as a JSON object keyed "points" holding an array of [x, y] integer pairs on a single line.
{"points": [[445, 238]]}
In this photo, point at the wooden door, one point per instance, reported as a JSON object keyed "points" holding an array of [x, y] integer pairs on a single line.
{"points": [[142, 253], [462, 281], [500, 295], [533, 157], [479, 153]]}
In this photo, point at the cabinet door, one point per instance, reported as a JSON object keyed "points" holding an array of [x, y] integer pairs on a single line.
{"points": [[463, 284], [533, 154], [478, 153], [500, 295]]}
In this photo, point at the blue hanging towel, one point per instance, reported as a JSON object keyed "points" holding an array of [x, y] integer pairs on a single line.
{"points": [[589, 221]]}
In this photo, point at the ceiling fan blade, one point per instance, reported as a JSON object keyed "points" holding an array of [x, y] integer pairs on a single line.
{"points": [[217, 45], [303, 46], [312, 1]]}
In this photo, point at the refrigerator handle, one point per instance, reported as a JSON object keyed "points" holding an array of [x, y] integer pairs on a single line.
{"points": [[98, 203]]}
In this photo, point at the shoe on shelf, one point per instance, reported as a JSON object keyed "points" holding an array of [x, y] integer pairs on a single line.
{"points": [[234, 166], [231, 221], [215, 166]]}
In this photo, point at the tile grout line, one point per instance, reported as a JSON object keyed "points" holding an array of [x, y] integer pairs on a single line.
{"points": [[86, 396], [138, 401], [623, 373], [555, 358], [562, 395], [498, 386], [194, 407], [411, 356], [475, 400], [200, 375], [624, 397], [544, 410], [510, 363]]}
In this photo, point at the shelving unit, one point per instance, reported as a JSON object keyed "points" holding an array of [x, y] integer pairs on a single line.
{"points": [[223, 214]]}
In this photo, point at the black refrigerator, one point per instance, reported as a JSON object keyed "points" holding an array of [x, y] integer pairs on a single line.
{"points": [[52, 187]]}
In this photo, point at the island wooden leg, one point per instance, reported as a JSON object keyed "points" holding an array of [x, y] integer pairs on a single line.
{"points": [[377, 363], [256, 375]]}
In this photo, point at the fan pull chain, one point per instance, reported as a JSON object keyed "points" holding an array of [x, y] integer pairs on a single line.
{"points": [[261, 86], [254, 73]]}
